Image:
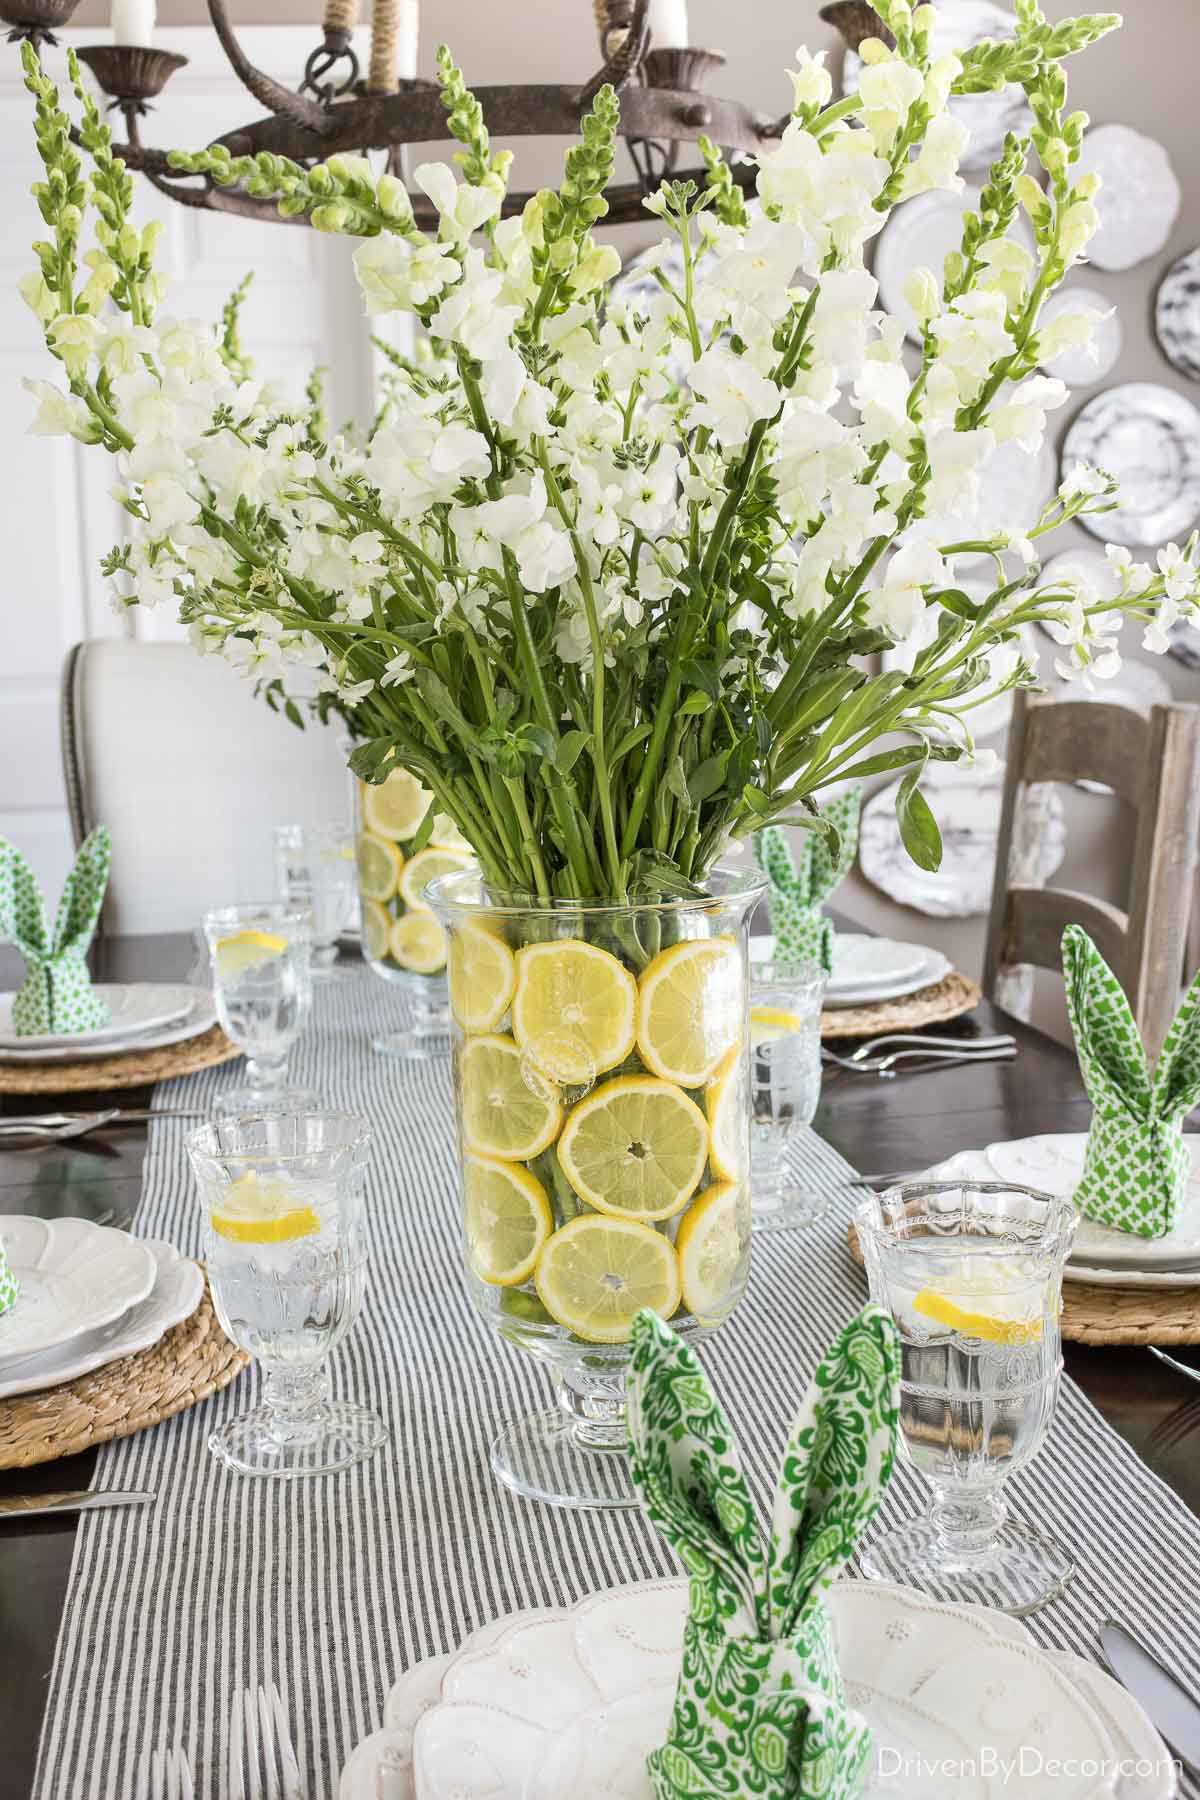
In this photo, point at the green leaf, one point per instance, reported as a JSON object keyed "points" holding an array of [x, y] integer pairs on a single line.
{"points": [[570, 746], [677, 782], [374, 760], [953, 600], [707, 776], [918, 828], [704, 676], [756, 799], [693, 705], [424, 831]]}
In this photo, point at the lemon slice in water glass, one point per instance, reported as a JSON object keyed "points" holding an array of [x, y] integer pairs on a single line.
{"points": [[425, 867], [246, 950], [482, 976], [254, 1211], [379, 866], [417, 942], [394, 808], [501, 1114], [713, 1246]]}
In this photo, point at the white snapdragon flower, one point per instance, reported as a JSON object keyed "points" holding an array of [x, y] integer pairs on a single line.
{"points": [[76, 337], [1077, 227], [972, 337], [898, 605], [232, 467], [420, 462], [1009, 267], [806, 577], [472, 316], [1081, 482], [59, 414], [814, 451], [923, 292], [881, 395], [827, 187], [1022, 417], [936, 164], [943, 72], [1178, 574], [168, 504], [812, 84], [1072, 330], [841, 318], [889, 88], [750, 272], [569, 335], [396, 275], [37, 296], [173, 408], [955, 458], [733, 395], [545, 557], [853, 516], [515, 400], [462, 208]]}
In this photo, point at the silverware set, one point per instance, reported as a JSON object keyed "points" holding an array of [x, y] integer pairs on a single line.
{"points": [[57, 1127], [262, 1759], [918, 1053]]}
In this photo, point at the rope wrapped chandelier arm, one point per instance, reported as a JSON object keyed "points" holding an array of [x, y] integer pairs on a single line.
{"points": [[664, 103]]}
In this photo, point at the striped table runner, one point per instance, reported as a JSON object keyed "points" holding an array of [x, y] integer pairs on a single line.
{"points": [[331, 1587]]}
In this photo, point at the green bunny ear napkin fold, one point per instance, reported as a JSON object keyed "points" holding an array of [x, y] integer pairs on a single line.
{"points": [[10, 1287], [1136, 1168], [57, 995], [760, 1709], [800, 884]]}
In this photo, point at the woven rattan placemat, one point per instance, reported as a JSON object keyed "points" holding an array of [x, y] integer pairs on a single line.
{"points": [[127, 1069], [188, 1363], [1099, 1316], [945, 999]]}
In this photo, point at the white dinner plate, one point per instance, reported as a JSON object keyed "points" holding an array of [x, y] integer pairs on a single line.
{"points": [[133, 1008], [177, 1292], [935, 968], [75, 1277], [550, 1703], [1054, 1163], [860, 961], [200, 1018], [1139, 197]]}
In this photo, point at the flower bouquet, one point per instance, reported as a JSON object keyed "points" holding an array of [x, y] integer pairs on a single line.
{"points": [[608, 577]]}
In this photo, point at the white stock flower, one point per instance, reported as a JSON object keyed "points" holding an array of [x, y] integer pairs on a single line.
{"points": [[462, 208], [398, 669], [750, 270], [955, 458], [1089, 641], [814, 451], [734, 397], [1082, 482], [398, 276], [651, 493], [472, 316], [853, 516], [898, 605], [168, 504], [544, 556], [1178, 574], [515, 400], [1132, 577]]}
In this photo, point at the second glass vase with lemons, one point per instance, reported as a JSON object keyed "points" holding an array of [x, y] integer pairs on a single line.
{"points": [[601, 1083], [402, 939]]}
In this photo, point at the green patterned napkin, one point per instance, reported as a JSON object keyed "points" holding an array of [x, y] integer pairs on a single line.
{"points": [[10, 1287], [1135, 1172], [759, 1709], [57, 995], [799, 885]]}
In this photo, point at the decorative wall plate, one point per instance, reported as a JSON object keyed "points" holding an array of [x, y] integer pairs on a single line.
{"points": [[924, 231], [1015, 487], [134, 1007], [1140, 197], [177, 1292], [958, 26], [1076, 367], [1148, 437], [571, 1702], [1177, 315], [75, 1277], [966, 803]]}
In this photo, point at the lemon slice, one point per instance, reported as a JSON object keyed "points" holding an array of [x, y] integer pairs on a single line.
{"points": [[445, 835], [252, 1211], [483, 974], [991, 1328], [501, 1115], [506, 1218], [379, 866], [635, 1148], [246, 950], [726, 1104], [376, 930], [769, 1023], [713, 1247], [690, 1009], [575, 1009], [394, 808], [425, 867], [417, 942], [596, 1274]]}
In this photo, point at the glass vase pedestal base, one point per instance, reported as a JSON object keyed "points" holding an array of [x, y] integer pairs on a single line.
{"points": [[338, 1435], [424, 1043], [786, 1208], [547, 1457], [249, 1097], [1017, 1571]]}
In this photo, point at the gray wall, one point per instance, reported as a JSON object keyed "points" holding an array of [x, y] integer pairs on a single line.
{"points": [[1143, 76]]}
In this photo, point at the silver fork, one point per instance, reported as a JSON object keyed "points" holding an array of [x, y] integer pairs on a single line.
{"points": [[262, 1759], [164, 1775], [902, 1039], [60, 1126], [887, 1070]]}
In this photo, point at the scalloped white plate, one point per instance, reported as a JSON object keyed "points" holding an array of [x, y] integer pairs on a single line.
{"points": [[550, 1703], [200, 1017], [75, 1277], [177, 1292], [133, 1008], [1054, 1163], [1139, 198]]}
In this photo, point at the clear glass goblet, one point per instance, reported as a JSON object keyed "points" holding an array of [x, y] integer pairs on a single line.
{"points": [[262, 984], [285, 1244], [785, 1086], [972, 1275], [314, 865]]}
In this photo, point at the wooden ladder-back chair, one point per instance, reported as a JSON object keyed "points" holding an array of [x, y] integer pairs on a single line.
{"points": [[1152, 763]]}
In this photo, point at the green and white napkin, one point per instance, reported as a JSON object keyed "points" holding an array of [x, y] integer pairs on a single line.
{"points": [[10, 1287], [800, 884], [58, 994], [760, 1707], [1136, 1168]]}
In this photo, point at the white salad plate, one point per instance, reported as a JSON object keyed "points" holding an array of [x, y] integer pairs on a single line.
{"points": [[200, 1017], [934, 969], [1139, 197], [1078, 368], [554, 1703], [1148, 438], [74, 1276], [133, 1008], [959, 25], [923, 232], [177, 1292], [869, 969]]}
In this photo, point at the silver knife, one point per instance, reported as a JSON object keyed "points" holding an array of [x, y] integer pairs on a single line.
{"points": [[26, 1506], [1173, 1712]]}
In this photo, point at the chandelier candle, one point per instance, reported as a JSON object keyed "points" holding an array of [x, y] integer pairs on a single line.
{"points": [[668, 24], [133, 22]]}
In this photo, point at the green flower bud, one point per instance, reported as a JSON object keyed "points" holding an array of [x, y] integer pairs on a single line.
{"points": [[335, 215]]}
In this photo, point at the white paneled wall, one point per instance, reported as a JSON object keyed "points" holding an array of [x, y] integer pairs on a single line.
{"points": [[57, 516]]}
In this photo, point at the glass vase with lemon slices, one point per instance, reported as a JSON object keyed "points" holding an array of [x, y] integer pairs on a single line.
{"points": [[286, 1249], [262, 985], [972, 1275], [601, 1085], [401, 847]]}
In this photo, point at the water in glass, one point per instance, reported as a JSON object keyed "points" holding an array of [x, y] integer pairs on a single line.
{"points": [[315, 870], [785, 1084]]}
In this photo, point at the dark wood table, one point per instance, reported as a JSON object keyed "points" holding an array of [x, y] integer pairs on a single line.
{"points": [[879, 1126]]}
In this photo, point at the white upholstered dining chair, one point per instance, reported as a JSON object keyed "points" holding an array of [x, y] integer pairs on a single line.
{"points": [[190, 771]]}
